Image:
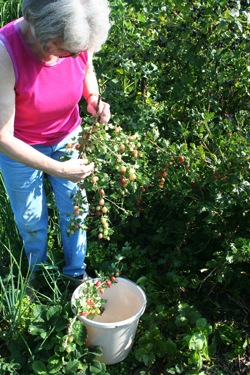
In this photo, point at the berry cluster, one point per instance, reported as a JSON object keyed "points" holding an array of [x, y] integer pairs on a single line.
{"points": [[90, 302], [123, 167]]}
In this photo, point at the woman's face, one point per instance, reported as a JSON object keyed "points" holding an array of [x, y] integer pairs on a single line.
{"points": [[57, 49]]}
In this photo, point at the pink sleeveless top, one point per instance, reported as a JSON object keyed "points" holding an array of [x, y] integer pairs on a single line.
{"points": [[47, 94]]}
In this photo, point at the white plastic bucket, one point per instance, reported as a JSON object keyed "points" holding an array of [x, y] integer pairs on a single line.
{"points": [[115, 329]]}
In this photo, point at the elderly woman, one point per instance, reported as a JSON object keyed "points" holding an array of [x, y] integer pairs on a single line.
{"points": [[46, 67]]}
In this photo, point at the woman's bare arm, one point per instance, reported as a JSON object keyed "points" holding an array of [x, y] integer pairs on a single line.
{"points": [[90, 86], [73, 170]]}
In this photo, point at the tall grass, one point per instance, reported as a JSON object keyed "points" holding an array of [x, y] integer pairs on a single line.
{"points": [[13, 303], [9, 234], [10, 10]]}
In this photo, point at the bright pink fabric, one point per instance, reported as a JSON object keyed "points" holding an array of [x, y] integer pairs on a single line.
{"points": [[47, 94]]}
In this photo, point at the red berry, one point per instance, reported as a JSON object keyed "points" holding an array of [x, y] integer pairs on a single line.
{"points": [[132, 177], [83, 313], [181, 159], [123, 169], [122, 147], [109, 283], [112, 278], [123, 180], [98, 283], [101, 291], [101, 202]]}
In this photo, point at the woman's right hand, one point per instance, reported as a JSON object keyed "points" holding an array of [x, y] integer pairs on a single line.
{"points": [[76, 170]]}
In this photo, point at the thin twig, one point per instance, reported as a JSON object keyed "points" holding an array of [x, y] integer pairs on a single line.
{"points": [[215, 269], [71, 324], [91, 128], [157, 146], [118, 156], [120, 208]]}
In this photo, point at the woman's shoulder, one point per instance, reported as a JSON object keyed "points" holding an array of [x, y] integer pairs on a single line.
{"points": [[7, 74]]}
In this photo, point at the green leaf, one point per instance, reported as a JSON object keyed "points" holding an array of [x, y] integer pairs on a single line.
{"points": [[53, 312], [95, 367], [38, 328], [17, 350], [234, 13], [222, 26], [54, 359], [171, 347], [39, 367], [171, 45], [171, 371], [72, 366], [197, 341], [54, 368], [142, 280], [39, 312], [141, 18], [97, 350], [80, 333], [201, 323]]}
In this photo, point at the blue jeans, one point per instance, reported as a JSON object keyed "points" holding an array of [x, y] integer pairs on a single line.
{"points": [[28, 201]]}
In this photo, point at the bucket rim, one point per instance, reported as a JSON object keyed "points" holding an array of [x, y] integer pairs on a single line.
{"points": [[115, 324]]}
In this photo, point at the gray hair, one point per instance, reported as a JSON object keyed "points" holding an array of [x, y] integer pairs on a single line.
{"points": [[77, 24]]}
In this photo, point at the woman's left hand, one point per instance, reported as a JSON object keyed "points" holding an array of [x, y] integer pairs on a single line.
{"points": [[103, 110]]}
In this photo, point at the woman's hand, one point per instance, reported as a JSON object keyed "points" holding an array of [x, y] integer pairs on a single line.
{"points": [[103, 110], [76, 170]]}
